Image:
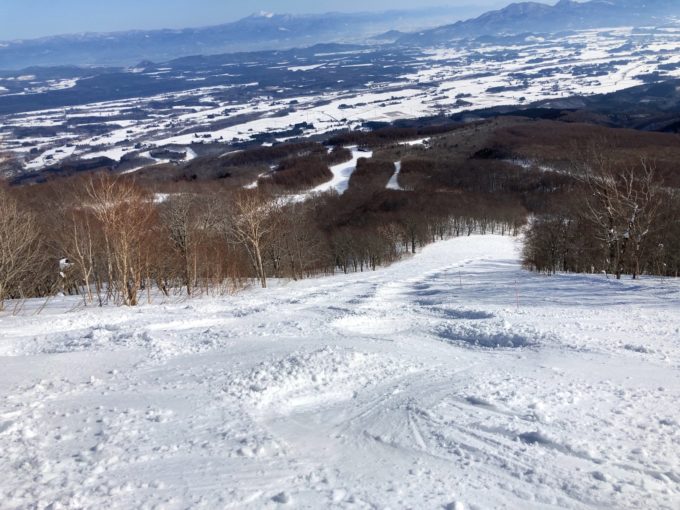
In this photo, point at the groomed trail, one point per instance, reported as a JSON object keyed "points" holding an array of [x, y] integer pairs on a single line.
{"points": [[451, 380]]}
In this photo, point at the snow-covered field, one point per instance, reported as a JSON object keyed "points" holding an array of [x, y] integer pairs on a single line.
{"points": [[446, 79], [451, 380]]}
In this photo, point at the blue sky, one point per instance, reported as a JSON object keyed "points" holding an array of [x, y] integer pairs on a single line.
{"points": [[35, 18]]}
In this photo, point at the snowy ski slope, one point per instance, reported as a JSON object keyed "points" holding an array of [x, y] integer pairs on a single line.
{"points": [[450, 380]]}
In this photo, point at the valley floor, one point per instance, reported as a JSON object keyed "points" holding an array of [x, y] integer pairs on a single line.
{"points": [[451, 380]]}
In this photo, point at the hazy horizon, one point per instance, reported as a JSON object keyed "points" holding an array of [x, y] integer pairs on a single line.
{"points": [[31, 19]]}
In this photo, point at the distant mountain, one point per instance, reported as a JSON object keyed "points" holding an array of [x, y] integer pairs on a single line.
{"points": [[267, 31], [257, 32], [534, 17]]}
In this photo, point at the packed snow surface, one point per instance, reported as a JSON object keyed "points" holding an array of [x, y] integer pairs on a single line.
{"points": [[342, 172], [393, 183], [451, 380]]}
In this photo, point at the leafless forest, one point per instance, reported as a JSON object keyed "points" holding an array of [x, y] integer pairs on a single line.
{"points": [[587, 199]]}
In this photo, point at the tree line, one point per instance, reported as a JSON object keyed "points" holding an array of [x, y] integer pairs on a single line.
{"points": [[115, 239], [621, 217], [110, 240]]}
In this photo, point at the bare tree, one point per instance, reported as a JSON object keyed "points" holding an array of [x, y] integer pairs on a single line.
{"points": [[178, 216], [623, 202], [251, 220], [76, 234], [125, 213], [19, 245], [298, 245], [76, 239]]}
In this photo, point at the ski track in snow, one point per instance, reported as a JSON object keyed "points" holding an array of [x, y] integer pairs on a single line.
{"points": [[421, 385], [393, 183], [342, 172]]}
